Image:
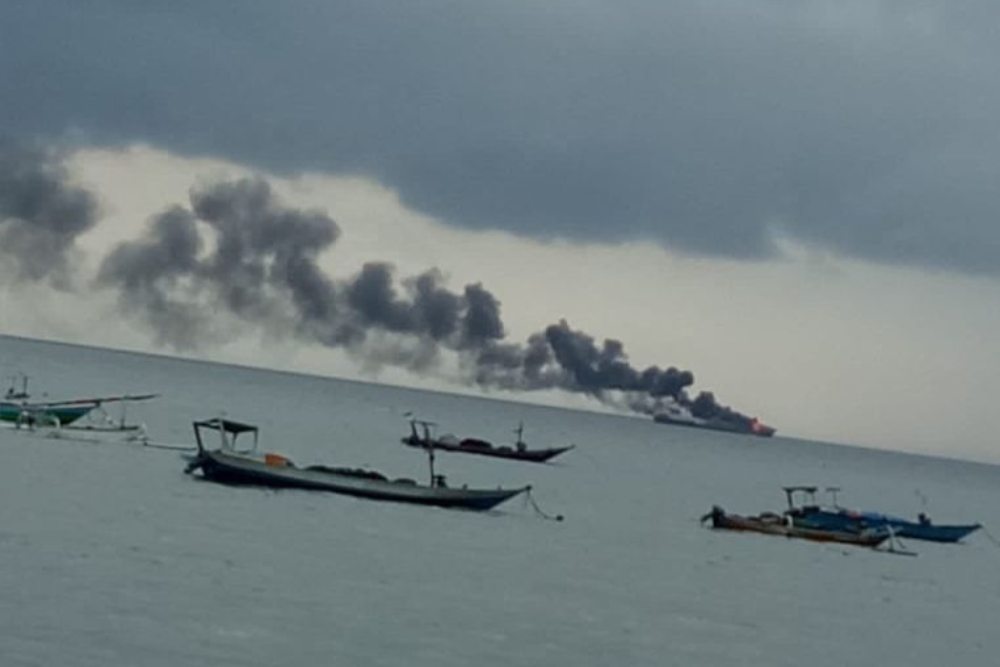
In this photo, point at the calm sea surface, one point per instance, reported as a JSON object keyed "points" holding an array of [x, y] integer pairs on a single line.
{"points": [[110, 555]]}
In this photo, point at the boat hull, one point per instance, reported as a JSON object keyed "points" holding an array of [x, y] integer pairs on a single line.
{"points": [[773, 524], [26, 412], [947, 534], [531, 455], [235, 469], [760, 430], [847, 520]]}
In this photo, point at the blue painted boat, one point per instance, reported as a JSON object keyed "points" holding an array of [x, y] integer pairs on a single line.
{"points": [[812, 515], [922, 529]]}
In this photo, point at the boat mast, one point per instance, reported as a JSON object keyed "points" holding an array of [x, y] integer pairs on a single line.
{"points": [[430, 463], [520, 444], [426, 442]]}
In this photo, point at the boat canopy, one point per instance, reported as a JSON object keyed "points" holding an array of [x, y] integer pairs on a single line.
{"points": [[804, 489], [219, 424], [228, 431], [808, 492]]}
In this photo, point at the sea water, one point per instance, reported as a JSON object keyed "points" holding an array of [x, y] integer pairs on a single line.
{"points": [[111, 555]]}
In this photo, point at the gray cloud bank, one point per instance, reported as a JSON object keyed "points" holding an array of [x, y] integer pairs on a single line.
{"points": [[867, 127]]}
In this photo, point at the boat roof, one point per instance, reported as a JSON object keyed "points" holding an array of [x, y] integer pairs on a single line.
{"points": [[226, 425], [805, 489]]}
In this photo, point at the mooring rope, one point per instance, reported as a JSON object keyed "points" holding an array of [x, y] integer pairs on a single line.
{"points": [[990, 537], [530, 499], [176, 448]]}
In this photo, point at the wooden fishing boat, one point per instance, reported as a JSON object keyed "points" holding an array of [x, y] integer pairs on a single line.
{"points": [[449, 443], [776, 524], [228, 465], [18, 408], [809, 514], [23, 413]]}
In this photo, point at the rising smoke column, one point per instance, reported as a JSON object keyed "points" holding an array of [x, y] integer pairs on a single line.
{"points": [[237, 250], [41, 214]]}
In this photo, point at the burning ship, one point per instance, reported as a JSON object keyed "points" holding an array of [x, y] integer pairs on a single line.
{"points": [[729, 421]]}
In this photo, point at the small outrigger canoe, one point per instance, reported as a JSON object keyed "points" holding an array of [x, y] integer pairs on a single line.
{"points": [[18, 408], [811, 515], [450, 443], [29, 414], [226, 465], [775, 524]]}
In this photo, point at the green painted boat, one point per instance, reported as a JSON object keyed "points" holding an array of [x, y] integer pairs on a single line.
{"points": [[43, 413]]}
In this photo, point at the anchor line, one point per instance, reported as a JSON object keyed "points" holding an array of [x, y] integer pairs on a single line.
{"points": [[530, 499], [990, 537]]}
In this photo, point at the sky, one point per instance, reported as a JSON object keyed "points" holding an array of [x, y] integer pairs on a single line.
{"points": [[789, 205]]}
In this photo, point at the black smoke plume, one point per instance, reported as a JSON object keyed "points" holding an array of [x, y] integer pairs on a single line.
{"points": [[237, 250], [41, 214]]}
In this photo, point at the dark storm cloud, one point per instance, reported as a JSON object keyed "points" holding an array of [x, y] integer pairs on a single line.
{"points": [[869, 127], [41, 213], [238, 253]]}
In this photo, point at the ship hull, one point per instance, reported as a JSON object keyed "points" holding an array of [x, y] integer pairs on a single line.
{"points": [[726, 427]]}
